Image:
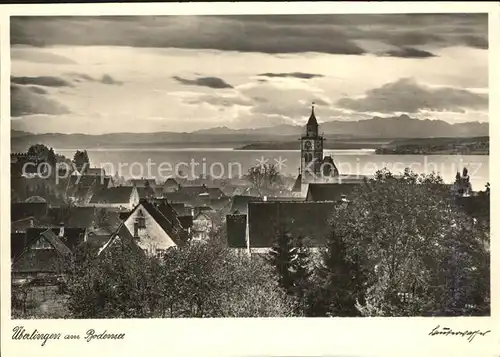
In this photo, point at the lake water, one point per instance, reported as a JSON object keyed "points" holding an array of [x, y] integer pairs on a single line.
{"points": [[226, 162]]}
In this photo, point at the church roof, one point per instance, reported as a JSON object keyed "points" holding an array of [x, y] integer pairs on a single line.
{"points": [[329, 191], [306, 219]]}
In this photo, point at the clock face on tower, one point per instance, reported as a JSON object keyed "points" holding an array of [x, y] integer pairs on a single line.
{"points": [[307, 145]]}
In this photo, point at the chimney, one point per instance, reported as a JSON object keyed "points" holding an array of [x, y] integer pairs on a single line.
{"points": [[61, 230], [136, 230]]}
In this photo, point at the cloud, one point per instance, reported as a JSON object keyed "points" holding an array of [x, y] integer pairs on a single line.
{"points": [[475, 41], [273, 34], [409, 52], [211, 82], [292, 74], [221, 101], [46, 81], [406, 95], [37, 90], [107, 79], [24, 101]]}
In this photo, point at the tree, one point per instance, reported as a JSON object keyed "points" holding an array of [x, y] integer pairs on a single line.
{"points": [[40, 151], [81, 160], [290, 259], [412, 250], [264, 177], [195, 280]]}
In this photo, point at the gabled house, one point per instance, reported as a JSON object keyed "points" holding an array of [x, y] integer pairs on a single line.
{"points": [[202, 224], [44, 251], [122, 197], [170, 185], [155, 228]]}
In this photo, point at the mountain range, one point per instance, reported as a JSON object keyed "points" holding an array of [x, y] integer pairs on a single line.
{"points": [[376, 128]]}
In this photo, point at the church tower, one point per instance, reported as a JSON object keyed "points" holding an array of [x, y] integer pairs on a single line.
{"points": [[311, 150]]}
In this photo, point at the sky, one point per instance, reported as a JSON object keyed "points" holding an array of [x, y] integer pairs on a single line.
{"points": [[97, 75]]}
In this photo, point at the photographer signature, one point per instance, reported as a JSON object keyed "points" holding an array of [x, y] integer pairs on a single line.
{"points": [[446, 331]]}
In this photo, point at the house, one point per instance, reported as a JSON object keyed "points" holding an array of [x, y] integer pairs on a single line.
{"points": [[122, 197], [95, 171], [81, 188], [147, 192], [170, 185], [21, 225], [198, 196], [155, 228], [84, 217], [329, 191], [41, 252], [22, 210], [265, 220], [120, 239], [203, 223], [143, 182]]}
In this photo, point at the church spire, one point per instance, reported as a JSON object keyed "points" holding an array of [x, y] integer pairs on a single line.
{"points": [[312, 124], [312, 119]]}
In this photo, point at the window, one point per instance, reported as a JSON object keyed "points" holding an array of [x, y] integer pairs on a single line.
{"points": [[140, 220], [160, 253]]}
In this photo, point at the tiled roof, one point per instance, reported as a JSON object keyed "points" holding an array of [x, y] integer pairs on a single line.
{"points": [[170, 182], [97, 240], [145, 192], [329, 191], [167, 218], [18, 211], [77, 217], [306, 219], [42, 260], [123, 236], [236, 230], [120, 194], [186, 221], [180, 208], [23, 224], [142, 182], [211, 192], [95, 171]]}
